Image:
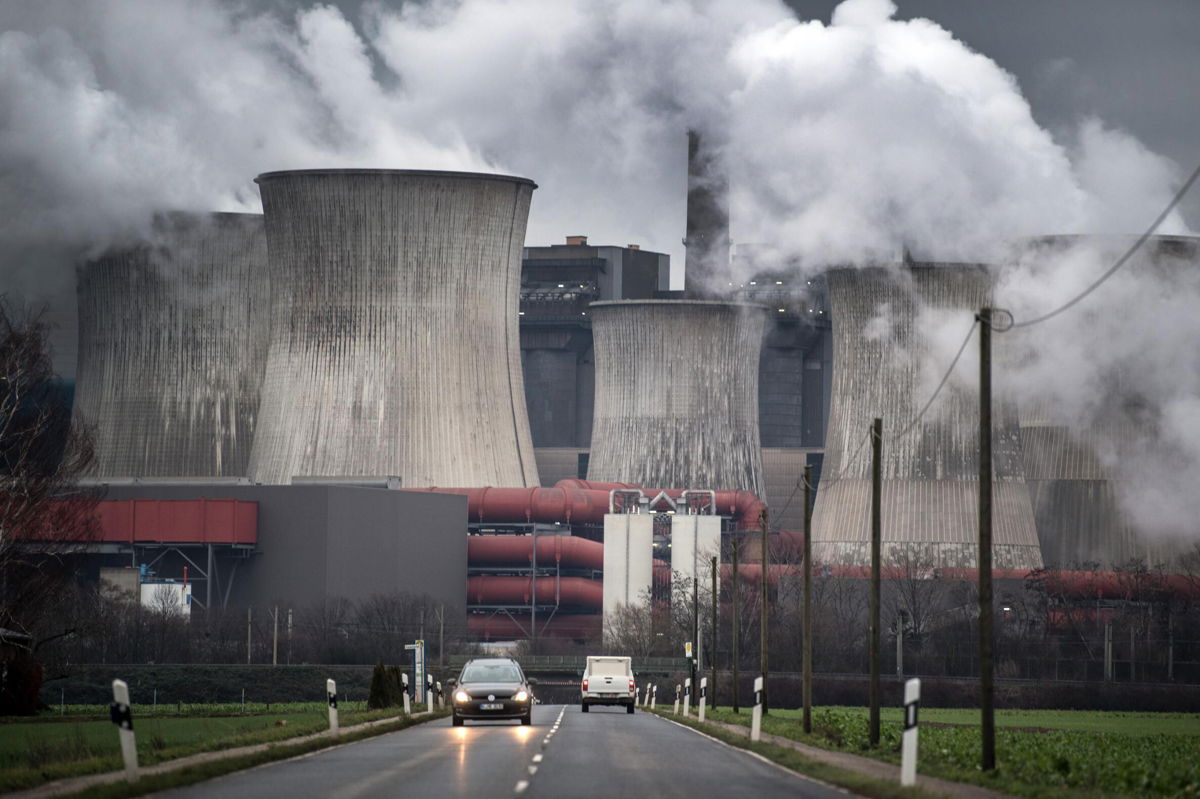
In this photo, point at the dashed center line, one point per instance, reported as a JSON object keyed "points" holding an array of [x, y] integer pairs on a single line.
{"points": [[523, 785]]}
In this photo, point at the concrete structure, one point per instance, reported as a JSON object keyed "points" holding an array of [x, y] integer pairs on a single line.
{"points": [[172, 343], [694, 540], [1074, 490], [677, 394], [394, 330], [707, 226], [557, 285], [930, 475], [628, 559], [323, 541]]}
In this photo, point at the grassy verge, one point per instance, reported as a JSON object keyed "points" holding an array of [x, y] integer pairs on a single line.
{"points": [[36, 752], [790, 758], [1032, 760]]}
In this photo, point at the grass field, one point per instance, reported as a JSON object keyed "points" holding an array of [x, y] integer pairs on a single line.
{"points": [[56, 745], [1038, 753]]}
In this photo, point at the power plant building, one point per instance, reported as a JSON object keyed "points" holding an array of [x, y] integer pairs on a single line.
{"points": [[172, 344], [394, 347]]}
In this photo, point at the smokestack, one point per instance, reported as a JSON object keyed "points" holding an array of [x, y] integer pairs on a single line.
{"points": [[930, 482], [706, 264], [677, 394], [172, 343], [394, 343]]}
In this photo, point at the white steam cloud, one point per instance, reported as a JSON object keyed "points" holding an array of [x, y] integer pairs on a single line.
{"points": [[845, 142]]}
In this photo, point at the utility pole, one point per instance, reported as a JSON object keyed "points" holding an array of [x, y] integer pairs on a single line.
{"points": [[249, 611], [442, 636], [987, 713], [806, 657], [275, 636], [763, 617], [712, 649], [289, 637], [876, 545], [695, 628], [735, 611]]}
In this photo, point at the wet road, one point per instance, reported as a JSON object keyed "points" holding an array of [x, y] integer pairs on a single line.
{"points": [[564, 753]]}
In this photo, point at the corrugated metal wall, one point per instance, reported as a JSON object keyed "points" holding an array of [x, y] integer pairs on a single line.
{"points": [[394, 344], [677, 394], [172, 342]]}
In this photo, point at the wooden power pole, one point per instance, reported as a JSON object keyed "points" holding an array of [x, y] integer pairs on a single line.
{"points": [[806, 663], [876, 545], [735, 612], [987, 718], [763, 619]]}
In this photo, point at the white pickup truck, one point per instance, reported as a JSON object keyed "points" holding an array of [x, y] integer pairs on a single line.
{"points": [[608, 680]]}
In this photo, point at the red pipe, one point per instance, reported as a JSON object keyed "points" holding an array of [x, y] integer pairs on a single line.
{"points": [[568, 503], [571, 591], [567, 551]]}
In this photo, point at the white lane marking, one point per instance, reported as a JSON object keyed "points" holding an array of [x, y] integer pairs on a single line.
{"points": [[532, 770], [521, 786], [537, 758], [757, 756]]}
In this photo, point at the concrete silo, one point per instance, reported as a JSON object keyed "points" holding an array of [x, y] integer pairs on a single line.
{"points": [[930, 475], [394, 344], [172, 342], [677, 394]]}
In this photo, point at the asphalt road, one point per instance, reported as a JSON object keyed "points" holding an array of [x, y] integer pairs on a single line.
{"points": [[564, 753]]}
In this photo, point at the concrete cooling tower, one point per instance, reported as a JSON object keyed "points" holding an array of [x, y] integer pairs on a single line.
{"points": [[677, 394], [172, 342], [930, 475], [1074, 462], [394, 344]]}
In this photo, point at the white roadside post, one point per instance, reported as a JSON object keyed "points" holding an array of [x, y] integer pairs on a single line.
{"points": [[756, 716], [908, 741], [675, 709], [428, 693], [438, 689], [654, 697], [123, 718], [687, 696], [331, 695], [703, 696], [404, 683]]}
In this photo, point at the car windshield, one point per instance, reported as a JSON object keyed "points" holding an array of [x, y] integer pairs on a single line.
{"points": [[491, 672]]}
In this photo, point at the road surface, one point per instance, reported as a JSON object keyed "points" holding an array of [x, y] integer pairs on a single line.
{"points": [[564, 753]]}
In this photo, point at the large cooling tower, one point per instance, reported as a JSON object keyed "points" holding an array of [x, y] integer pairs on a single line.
{"points": [[1074, 467], [930, 475], [394, 345], [172, 342], [677, 394]]}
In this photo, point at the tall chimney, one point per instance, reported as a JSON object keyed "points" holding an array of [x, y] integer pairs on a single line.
{"points": [[706, 264]]}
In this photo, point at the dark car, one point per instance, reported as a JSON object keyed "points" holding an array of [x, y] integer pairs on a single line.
{"points": [[492, 688]]}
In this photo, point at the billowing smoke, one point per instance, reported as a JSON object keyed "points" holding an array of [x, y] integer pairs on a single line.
{"points": [[847, 141]]}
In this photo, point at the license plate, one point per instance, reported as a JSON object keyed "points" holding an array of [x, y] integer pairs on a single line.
{"points": [[491, 706]]}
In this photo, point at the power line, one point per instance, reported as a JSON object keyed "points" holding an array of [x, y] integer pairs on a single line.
{"points": [[962, 348], [1120, 261]]}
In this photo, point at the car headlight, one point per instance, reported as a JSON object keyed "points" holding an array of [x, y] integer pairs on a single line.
{"points": [[461, 696], [521, 696]]}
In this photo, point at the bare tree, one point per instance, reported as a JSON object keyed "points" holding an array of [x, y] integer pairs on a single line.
{"points": [[44, 519]]}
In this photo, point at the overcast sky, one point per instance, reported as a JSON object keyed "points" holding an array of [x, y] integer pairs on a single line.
{"points": [[848, 137]]}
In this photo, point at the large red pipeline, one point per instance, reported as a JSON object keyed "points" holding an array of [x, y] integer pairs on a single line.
{"points": [[1101, 585], [581, 502], [567, 551], [564, 591]]}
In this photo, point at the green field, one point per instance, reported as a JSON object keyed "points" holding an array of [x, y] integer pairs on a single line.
{"points": [[56, 745], [1039, 753]]}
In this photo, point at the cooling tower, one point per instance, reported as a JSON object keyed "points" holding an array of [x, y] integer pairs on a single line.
{"points": [[172, 342], [677, 394], [394, 345], [930, 475], [1074, 461]]}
